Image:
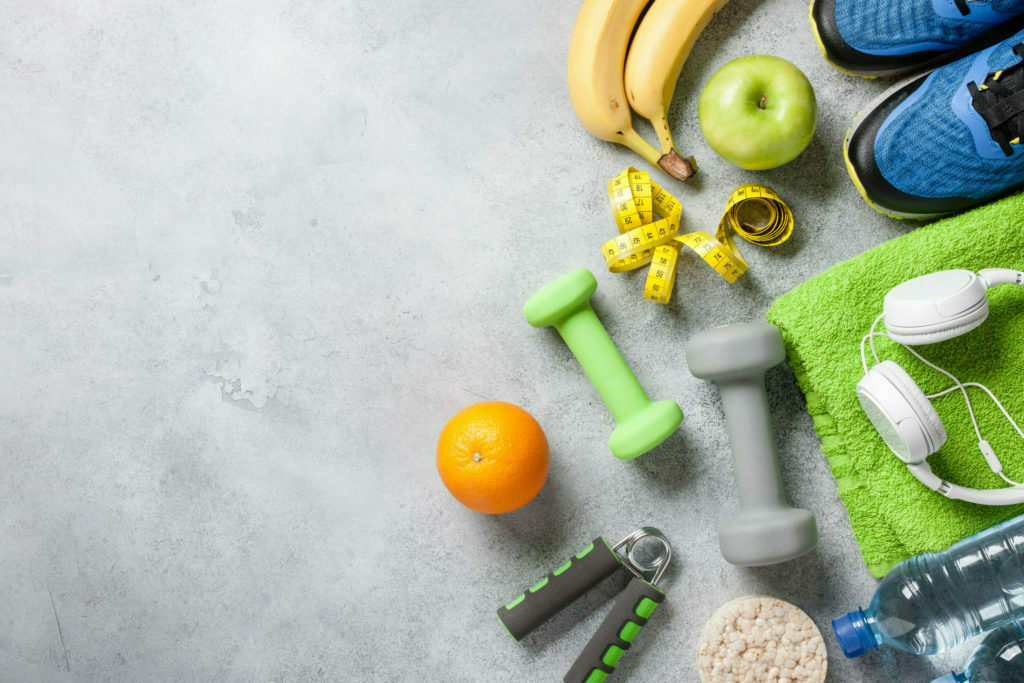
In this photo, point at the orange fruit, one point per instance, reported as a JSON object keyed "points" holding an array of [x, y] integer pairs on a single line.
{"points": [[493, 457]]}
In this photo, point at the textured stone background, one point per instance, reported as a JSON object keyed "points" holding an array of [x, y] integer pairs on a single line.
{"points": [[256, 252]]}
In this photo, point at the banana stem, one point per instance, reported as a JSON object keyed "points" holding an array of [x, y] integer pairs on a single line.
{"points": [[632, 139], [660, 124], [671, 162]]}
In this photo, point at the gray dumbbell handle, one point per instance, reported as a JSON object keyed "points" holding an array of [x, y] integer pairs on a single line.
{"points": [[755, 463]]}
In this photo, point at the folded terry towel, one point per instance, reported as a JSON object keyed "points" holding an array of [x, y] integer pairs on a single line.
{"points": [[893, 515]]}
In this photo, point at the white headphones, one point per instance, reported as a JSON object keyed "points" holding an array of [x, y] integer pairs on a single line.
{"points": [[928, 309]]}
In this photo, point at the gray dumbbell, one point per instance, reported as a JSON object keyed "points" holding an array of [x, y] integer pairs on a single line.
{"points": [[766, 530]]}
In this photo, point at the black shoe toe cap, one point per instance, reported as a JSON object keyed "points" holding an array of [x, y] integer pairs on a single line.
{"points": [[861, 154], [837, 51]]}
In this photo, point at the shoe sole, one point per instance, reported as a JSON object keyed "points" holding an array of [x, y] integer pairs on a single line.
{"points": [[857, 121]]}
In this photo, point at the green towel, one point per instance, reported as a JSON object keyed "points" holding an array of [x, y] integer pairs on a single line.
{"points": [[892, 514]]}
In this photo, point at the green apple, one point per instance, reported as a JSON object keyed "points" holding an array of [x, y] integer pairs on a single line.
{"points": [[758, 112]]}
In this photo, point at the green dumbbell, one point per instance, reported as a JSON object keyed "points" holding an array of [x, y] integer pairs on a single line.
{"points": [[642, 423]]}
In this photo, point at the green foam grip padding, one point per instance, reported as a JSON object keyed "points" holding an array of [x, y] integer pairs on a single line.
{"points": [[557, 590], [616, 633], [565, 304]]}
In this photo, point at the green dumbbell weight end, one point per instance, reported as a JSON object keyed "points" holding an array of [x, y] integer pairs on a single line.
{"points": [[565, 305]]}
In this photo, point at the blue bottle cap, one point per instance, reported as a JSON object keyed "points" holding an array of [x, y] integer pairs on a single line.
{"points": [[853, 634], [951, 677]]}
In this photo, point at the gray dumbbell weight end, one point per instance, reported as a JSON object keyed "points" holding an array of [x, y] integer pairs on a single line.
{"points": [[766, 530]]}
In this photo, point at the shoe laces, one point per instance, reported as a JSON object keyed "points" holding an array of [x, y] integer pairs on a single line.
{"points": [[1000, 102]]}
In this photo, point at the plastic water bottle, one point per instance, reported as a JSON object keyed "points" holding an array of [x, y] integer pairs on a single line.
{"points": [[932, 602], [999, 658]]}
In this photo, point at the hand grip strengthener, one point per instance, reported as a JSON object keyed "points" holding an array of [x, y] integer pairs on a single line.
{"points": [[579, 574]]}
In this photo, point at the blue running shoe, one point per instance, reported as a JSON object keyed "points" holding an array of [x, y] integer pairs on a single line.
{"points": [[890, 37], [944, 142]]}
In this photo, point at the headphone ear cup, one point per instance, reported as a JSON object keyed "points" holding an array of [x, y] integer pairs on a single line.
{"points": [[935, 307], [937, 333], [937, 430], [900, 411]]}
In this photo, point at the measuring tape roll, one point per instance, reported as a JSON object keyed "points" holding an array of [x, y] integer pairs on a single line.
{"points": [[754, 212]]}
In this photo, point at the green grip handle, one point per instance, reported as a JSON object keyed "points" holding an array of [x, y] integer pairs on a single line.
{"points": [[616, 633], [558, 589]]}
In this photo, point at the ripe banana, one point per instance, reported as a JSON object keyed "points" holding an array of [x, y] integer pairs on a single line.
{"points": [[597, 53], [656, 57]]}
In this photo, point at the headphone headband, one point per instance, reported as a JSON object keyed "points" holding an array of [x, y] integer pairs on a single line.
{"points": [[925, 310], [1004, 496], [1001, 276]]}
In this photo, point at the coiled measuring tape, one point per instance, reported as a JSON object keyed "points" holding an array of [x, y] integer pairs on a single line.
{"points": [[754, 212]]}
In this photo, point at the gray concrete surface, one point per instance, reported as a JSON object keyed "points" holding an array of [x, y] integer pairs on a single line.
{"points": [[255, 253]]}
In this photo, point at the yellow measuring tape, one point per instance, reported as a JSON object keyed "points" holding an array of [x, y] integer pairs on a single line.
{"points": [[754, 212]]}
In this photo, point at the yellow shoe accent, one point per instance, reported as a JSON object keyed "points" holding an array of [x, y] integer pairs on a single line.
{"points": [[821, 46], [856, 180]]}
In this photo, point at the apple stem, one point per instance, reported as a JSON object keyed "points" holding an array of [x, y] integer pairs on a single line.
{"points": [[764, 99]]}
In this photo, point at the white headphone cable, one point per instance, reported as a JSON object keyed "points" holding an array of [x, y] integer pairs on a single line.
{"points": [[986, 449], [990, 395], [871, 335], [1005, 413], [984, 446], [959, 385]]}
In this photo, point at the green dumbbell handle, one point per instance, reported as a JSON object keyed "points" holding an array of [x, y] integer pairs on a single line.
{"points": [[616, 633], [565, 304], [558, 589], [600, 359]]}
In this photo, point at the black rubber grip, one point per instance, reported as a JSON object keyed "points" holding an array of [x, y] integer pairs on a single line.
{"points": [[557, 590], [616, 633]]}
